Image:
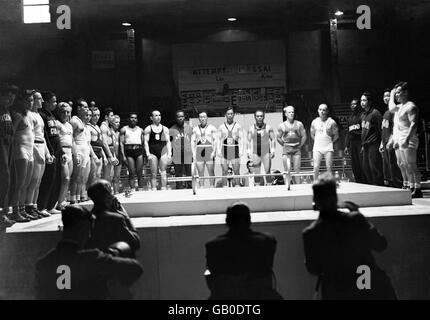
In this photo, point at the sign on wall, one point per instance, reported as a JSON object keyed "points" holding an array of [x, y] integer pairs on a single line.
{"points": [[242, 74]]}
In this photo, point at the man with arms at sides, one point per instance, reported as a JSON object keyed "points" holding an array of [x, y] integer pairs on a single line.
{"points": [[117, 152], [100, 147], [353, 141], [51, 181], [203, 146], [86, 273], [370, 141], [131, 143], [407, 133], [291, 136], [392, 173], [261, 146], [65, 133], [324, 132], [240, 262], [182, 157], [41, 156], [82, 151], [7, 97], [230, 145], [107, 133], [158, 149]]}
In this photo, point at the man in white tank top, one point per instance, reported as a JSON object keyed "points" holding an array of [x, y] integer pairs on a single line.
{"points": [[82, 150], [41, 156], [324, 132], [291, 136], [203, 146], [65, 133], [407, 134], [131, 144]]}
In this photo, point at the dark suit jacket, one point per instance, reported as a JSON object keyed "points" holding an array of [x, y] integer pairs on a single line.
{"points": [[110, 227], [242, 260], [90, 271], [336, 246]]}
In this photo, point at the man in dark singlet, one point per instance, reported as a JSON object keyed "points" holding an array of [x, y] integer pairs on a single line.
{"points": [[158, 149], [100, 148], [50, 186], [230, 144], [203, 145], [291, 136], [107, 132], [261, 146], [180, 135], [7, 98], [131, 142]]}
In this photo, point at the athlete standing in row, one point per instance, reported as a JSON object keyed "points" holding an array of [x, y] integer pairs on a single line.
{"points": [[261, 146], [204, 146], [158, 149], [291, 136]]}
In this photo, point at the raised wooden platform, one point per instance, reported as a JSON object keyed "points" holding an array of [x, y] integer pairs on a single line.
{"points": [[259, 199]]}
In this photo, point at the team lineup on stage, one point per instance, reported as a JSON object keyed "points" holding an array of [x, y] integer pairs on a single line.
{"points": [[55, 156]]}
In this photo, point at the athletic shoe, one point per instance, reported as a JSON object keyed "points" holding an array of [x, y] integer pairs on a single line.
{"points": [[28, 215], [417, 193], [54, 211], [44, 213], [17, 217], [6, 222]]}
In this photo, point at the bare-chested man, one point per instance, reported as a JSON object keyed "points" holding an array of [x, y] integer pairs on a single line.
{"points": [[261, 146], [203, 146], [107, 132], [407, 134], [158, 149], [117, 165], [291, 136], [230, 145]]}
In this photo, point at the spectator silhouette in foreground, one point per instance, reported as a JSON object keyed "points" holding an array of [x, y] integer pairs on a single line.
{"points": [[70, 272], [112, 224], [338, 249], [240, 262]]}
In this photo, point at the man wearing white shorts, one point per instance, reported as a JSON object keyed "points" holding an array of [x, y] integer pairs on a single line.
{"points": [[324, 132], [407, 134]]}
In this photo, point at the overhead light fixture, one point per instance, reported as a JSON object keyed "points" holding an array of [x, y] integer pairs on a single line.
{"points": [[126, 24], [231, 19], [338, 13]]}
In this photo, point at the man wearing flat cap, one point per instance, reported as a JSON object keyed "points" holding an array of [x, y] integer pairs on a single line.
{"points": [[70, 272]]}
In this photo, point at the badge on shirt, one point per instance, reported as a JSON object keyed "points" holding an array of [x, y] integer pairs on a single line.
{"points": [[157, 136], [203, 140], [230, 141]]}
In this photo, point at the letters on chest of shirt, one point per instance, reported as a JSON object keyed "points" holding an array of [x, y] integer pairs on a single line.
{"points": [[385, 124], [353, 127], [6, 127], [52, 128]]}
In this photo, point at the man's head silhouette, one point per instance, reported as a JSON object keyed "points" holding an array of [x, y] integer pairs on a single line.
{"points": [[238, 217]]}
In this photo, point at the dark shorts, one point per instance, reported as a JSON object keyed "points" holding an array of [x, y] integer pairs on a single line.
{"points": [[98, 151], [157, 150], [231, 152], [133, 151], [203, 153], [291, 151]]}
